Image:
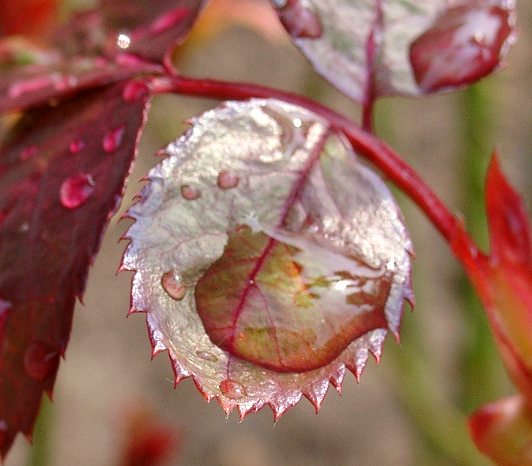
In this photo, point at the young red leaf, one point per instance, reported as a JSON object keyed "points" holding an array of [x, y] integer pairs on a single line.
{"points": [[503, 431], [362, 46], [267, 258], [59, 187], [504, 278]]}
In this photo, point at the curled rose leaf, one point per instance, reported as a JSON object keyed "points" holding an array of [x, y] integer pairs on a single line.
{"points": [[372, 48], [62, 172], [267, 258]]}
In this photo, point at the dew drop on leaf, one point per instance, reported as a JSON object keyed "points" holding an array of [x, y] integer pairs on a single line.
{"points": [[299, 21], [232, 389], [227, 180], [28, 152], [76, 146], [123, 41], [207, 356], [3, 433], [76, 190], [173, 284], [134, 90], [113, 139], [190, 193], [40, 360]]}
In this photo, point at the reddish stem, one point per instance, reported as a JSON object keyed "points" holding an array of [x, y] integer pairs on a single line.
{"points": [[381, 155]]}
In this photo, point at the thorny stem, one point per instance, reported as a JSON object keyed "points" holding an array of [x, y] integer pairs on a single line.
{"points": [[366, 144]]}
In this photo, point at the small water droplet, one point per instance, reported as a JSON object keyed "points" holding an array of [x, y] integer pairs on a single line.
{"points": [[133, 91], [123, 41], [189, 193], [75, 190], [207, 356], [173, 284], [232, 389], [3, 433], [113, 139], [227, 180], [40, 360], [76, 146], [299, 21], [28, 152]]}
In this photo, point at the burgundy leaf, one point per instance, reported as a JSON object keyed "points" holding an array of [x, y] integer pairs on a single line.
{"points": [[372, 48], [31, 85], [59, 187], [267, 258]]}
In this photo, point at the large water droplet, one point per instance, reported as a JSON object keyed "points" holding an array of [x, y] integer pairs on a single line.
{"points": [[207, 356], [40, 360], [299, 21], [190, 193], [134, 91], [28, 152], [232, 389], [173, 284], [75, 190], [113, 139], [76, 146], [227, 180]]}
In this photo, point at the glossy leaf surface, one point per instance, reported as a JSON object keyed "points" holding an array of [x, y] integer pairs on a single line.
{"points": [[266, 257], [372, 48], [59, 187]]}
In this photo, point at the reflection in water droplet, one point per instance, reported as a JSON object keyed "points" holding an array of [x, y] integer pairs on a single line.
{"points": [[173, 284], [75, 190], [76, 146], [190, 193], [227, 180], [28, 152], [123, 41], [297, 122], [40, 360], [134, 91], [113, 139], [232, 389], [207, 356]]}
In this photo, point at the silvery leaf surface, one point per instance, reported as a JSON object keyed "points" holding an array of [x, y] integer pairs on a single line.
{"points": [[267, 258]]}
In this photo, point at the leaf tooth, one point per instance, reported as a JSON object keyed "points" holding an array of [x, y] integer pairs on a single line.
{"points": [[337, 378], [280, 405], [316, 393], [357, 364], [180, 373], [247, 407], [376, 340], [226, 404]]}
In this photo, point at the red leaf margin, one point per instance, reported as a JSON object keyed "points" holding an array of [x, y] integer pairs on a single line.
{"points": [[46, 248]]}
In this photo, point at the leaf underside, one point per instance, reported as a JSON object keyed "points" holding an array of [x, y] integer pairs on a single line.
{"points": [[62, 172], [267, 258], [372, 48]]}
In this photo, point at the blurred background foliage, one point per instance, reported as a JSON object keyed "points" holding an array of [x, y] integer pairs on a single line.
{"points": [[409, 411]]}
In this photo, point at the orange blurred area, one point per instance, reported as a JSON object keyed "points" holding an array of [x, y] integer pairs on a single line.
{"points": [[26, 17]]}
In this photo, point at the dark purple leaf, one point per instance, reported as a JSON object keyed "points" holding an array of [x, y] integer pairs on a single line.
{"points": [[59, 187]]}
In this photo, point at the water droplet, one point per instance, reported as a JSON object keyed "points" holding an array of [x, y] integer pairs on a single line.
{"points": [[123, 41], [40, 360], [75, 190], [28, 152], [3, 433], [76, 146], [232, 389], [227, 180], [133, 91], [113, 139], [190, 193], [207, 356], [297, 122], [299, 21], [173, 284]]}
